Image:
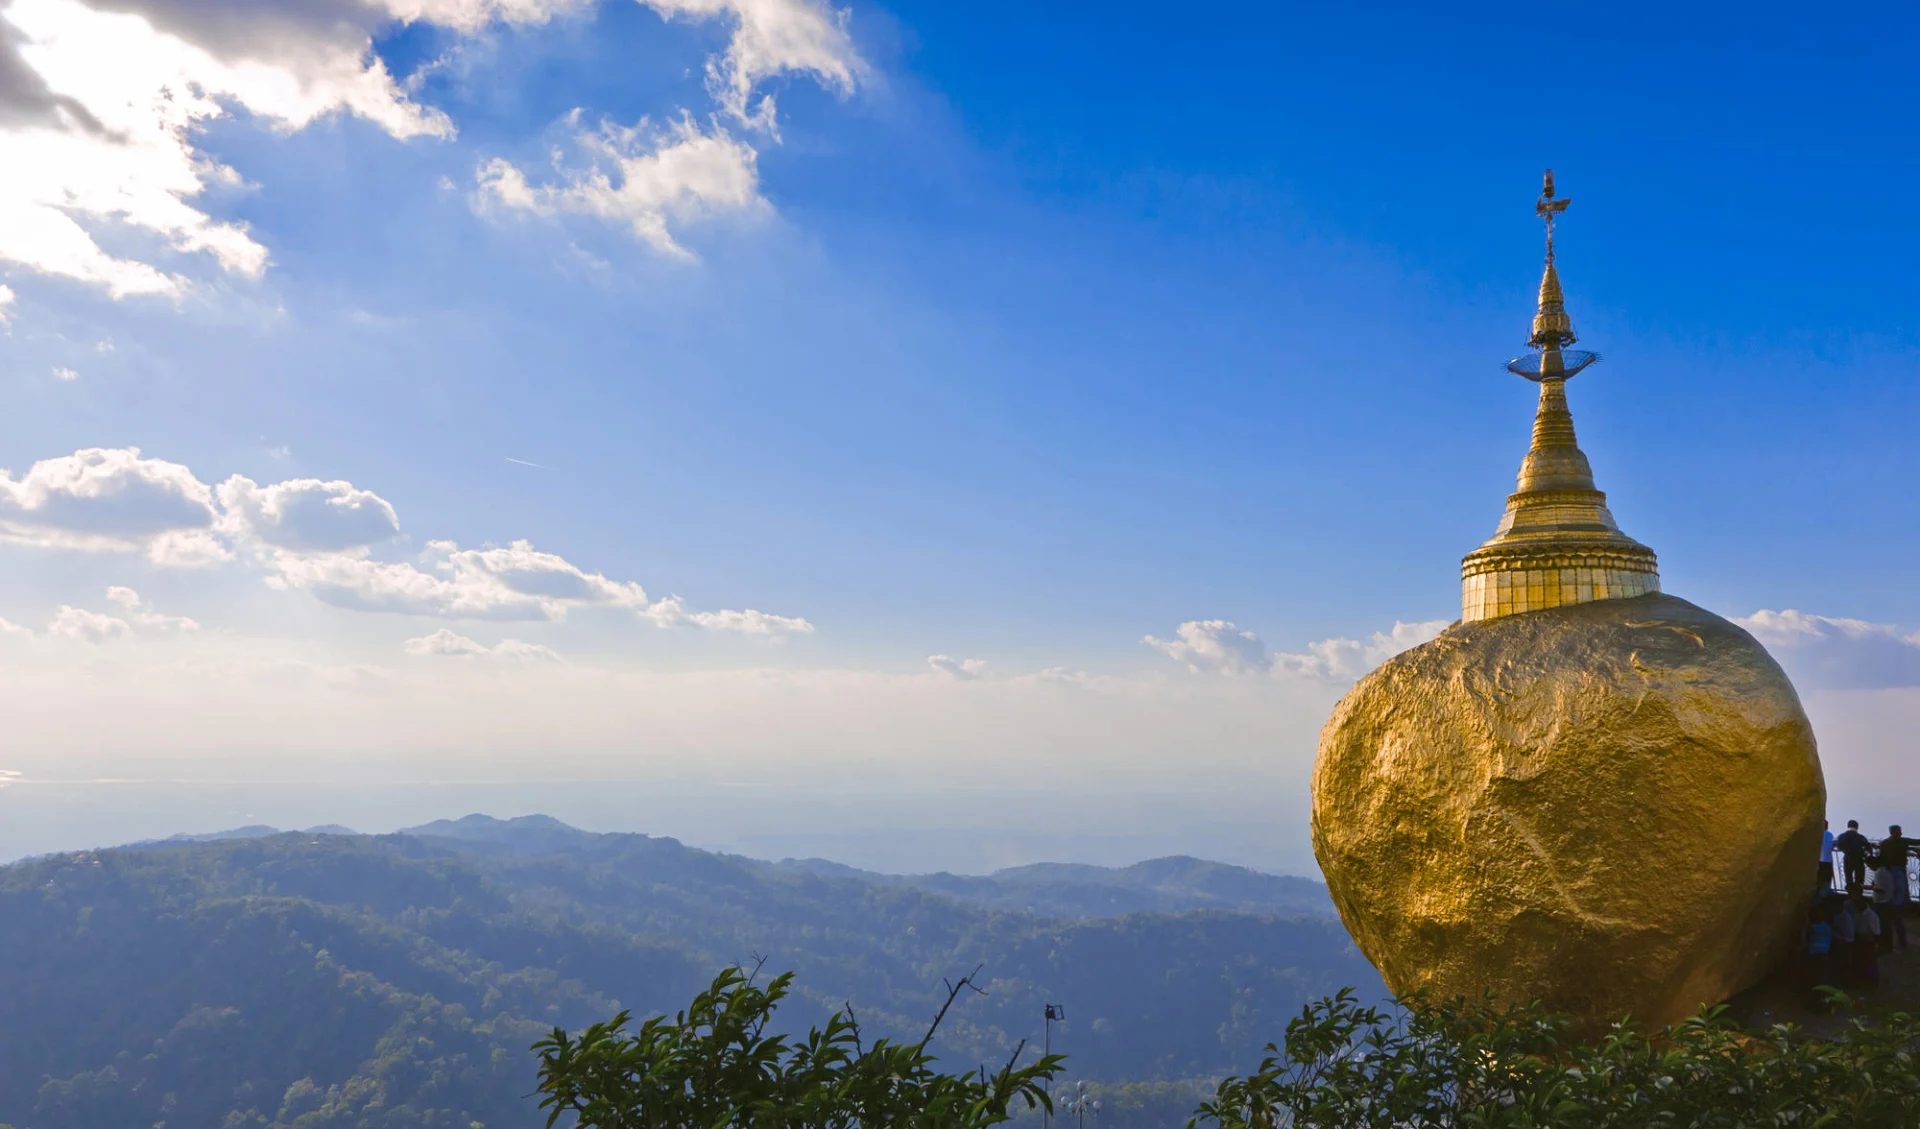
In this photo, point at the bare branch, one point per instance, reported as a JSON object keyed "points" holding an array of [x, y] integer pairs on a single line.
{"points": [[1014, 1061], [953, 993], [853, 1022]]}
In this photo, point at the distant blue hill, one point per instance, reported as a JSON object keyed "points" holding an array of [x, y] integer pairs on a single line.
{"points": [[1174, 884], [282, 980]]}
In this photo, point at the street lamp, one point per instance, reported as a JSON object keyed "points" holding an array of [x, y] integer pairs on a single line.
{"points": [[1081, 1105], [1055, 1013]]}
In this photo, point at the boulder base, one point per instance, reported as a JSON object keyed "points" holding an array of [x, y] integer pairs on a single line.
{"points": [[1614, 807]]}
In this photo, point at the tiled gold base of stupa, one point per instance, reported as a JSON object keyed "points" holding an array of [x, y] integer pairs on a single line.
{"points": [[1558, 544]]}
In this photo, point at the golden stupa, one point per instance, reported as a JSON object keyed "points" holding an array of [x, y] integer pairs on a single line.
{"points": [[1585, 792]]}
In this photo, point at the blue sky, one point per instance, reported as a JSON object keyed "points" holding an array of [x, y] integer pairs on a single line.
{"points": [[1010, 336]]}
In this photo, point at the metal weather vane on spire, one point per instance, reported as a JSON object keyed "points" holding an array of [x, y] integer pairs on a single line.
{"points": [[1547, 208], [1552, 326]]}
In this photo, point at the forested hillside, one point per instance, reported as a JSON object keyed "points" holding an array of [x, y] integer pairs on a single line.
{"points": [[329, 980]]}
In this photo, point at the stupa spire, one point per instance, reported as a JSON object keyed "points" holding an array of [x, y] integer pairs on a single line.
{"points": [[1557, 544]]}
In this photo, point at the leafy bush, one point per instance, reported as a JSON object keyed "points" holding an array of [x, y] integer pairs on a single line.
{"points": [[1474, 1064], [716, 1065]]}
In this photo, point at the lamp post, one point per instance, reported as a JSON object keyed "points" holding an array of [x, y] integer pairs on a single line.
{"points": [[1055, 1013], [1081, 1105]]}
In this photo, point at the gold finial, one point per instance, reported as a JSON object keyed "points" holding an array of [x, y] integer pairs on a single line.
{"points": [[1552, 328]]}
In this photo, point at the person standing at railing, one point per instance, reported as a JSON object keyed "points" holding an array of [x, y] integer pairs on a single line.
{"points": [[1900, 848], [1853, 848], [1826, 855]]}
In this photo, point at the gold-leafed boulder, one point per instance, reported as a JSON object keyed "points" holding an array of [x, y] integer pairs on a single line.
{"points": [[1586, 791], [1612, 806]]}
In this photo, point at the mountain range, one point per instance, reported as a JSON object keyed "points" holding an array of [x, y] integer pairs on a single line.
{"points": [[321, 978]]}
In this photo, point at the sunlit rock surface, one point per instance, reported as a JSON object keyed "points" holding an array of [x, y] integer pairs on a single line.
{"points": [[1613, 806]]}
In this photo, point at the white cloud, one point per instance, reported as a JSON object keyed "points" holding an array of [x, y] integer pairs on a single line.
{"points": [[103, 120], [964, 669], [102, 105], [526, 572], [773, 37], [517, 582], [671, 612], [7, 298], [474, 15], [1838, 654], [61, 372], [143, 614], [315, 536], [1350, 658], [361, 584], [1215, 646], [446, 642], [653, 181], [308, 515], [88, 627], [8, 627], [112, 499]]}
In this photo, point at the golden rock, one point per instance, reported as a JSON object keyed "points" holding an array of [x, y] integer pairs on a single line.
{"points": [[1614, 807], [1586, 791]]}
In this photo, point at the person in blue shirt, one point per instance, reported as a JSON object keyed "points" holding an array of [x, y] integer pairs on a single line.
{"points": [[1826, 855], [1819, 948]]}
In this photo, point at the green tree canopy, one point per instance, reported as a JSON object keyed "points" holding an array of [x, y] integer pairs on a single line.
{"points": [[1475, 1065], [717, 1066]]}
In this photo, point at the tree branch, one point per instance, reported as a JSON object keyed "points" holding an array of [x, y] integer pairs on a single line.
{"points": [[953, 993]]}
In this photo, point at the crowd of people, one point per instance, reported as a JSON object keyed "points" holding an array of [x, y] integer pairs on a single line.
{"points": [[1860, 912]]}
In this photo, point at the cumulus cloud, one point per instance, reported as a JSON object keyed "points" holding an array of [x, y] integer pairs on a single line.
{"points": [[362, 584], [102, 104], [315, 536], [656, 179], [308, 515], [649, 180], [140, 612], [773, 37], [1343, 659], [101, 120], [1825, 652], [448, 643], [1215, 646], [88, 627], [8, 627], [517, 582], [964, 669], [113, 499]]}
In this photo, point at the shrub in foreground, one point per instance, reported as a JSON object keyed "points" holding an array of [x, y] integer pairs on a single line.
{"points": [[716, 1066], [1475, 1064]]}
